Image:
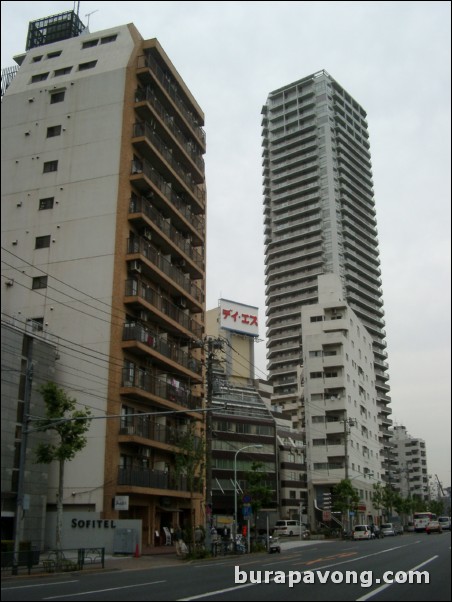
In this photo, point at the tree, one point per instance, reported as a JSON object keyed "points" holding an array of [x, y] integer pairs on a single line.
{"points": [[69, 426], [345, 498], [260, 492], [389, 499], [378, 497], [188, 463]]}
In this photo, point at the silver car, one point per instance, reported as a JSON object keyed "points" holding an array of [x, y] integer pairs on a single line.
{"points": [[388, 529]]}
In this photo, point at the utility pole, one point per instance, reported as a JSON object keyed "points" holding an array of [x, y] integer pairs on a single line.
{"points": [[212, 346], [348, 423], [20, 505]]}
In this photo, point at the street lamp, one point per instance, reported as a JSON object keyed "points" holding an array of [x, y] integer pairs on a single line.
{"points": [[256, 446]]}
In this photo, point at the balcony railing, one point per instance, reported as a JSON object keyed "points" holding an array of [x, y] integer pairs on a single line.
{"points": [[144, 129], [149, 62], [138, 288], [149, 96], [142, 166], [142, 334], [155, 479], [142, 205], [143, 247], [143, 427], [176, 393]]}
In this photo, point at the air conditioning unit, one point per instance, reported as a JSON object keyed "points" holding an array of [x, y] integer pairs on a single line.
{"points": [[147, 233], [135, 266]]}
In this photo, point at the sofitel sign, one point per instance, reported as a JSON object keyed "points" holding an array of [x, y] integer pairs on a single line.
{"points": [[93, 524]]}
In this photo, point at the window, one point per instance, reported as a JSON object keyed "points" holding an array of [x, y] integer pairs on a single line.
{"points": [[50, 166], [39, 282], [316, 318], [62, 71], [57, 97], [39, 77], [46, 203], [53, 55], [42, 242], [35, 324], [85, 66], [36, 59], [89, 44], [108, 39], [54, 130]]}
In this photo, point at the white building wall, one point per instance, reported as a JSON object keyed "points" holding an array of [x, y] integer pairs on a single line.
{"points": [[339, 385], [81, 224]]}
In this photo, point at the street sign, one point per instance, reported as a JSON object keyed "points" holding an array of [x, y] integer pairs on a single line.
{"points": [[246, 499], [326, 515], [246, 510]]}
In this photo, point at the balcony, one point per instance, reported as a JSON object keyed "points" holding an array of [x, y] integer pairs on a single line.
{"points": [[152, 146], [175, 396], [142, 340], [147, 179], [147, 63], [157, 265], [138, 289], [146, 97], [173, 239], [155, 479]]}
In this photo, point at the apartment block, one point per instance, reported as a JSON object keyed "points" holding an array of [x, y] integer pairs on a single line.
{"points": [[103, 235], [409, 471]]}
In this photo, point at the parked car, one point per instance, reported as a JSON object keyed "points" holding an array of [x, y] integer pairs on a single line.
{"points": [[444, 521], [361, 532], [410, 528], [433, 527], [288, 527], [388, 529]]}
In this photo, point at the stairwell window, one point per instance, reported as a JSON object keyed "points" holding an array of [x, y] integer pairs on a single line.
{"points": [[39, 77], [39, 282], [57, 97], [42, 242], [46, 203], [85, 66], [108, 39], [50, 166], [54, 130]]}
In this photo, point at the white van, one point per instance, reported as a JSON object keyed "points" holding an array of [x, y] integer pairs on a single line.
{"points": [[288, 527]]}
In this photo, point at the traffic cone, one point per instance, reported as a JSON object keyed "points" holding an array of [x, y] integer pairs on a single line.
{"points": [[137, 551]]}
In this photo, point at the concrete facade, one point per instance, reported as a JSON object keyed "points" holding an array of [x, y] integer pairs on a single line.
{"points": [[103, 226], [409, 471], [319, 217], [341, 410]]}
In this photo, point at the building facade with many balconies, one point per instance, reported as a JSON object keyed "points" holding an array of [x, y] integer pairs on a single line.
{"points": [[319, 217], [409, 471], [103, 234]]}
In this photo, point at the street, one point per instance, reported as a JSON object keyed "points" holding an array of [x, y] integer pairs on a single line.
{"points": [[214, 579]]}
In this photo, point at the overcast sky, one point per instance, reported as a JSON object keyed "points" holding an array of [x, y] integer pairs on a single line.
{"points": [[394, 59]]}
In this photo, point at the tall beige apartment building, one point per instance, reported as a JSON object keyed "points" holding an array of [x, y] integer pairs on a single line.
{"points": [[320, 218], [103, 243]]}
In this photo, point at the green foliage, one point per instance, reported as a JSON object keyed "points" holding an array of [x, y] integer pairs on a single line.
{"points": [[345, 496], [191, 457], [377, 496], [261, 494], [68, 423], [436, 506]]}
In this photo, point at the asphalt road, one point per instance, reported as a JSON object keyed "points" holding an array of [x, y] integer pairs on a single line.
{"points": [[332, 562]]}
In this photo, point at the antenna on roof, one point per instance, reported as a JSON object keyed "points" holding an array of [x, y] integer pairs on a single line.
{"points": [[89, 15]]}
